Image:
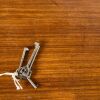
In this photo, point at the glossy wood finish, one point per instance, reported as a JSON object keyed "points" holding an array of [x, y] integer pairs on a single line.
{"points": [[68, 64]]}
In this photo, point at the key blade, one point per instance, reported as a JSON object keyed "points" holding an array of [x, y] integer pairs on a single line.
{"points": [[34, 54], [23, 56], [32, 83]]}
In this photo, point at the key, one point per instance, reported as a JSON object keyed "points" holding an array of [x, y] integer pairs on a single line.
{"points": [[19, 70], [23, 56], [32, 58], [32, 83]]}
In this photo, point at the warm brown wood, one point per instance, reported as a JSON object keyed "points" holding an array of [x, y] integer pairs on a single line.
{"points": [[68, 64]]}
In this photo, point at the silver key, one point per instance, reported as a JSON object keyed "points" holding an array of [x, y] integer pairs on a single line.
{"points": [[32, 83], [23, 56], [32, 58]]}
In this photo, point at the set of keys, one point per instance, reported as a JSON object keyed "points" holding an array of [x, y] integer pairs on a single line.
{"points": [[24, 72]]}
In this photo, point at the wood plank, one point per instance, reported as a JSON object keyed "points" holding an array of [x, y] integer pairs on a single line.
{"points": [[68, 64]]}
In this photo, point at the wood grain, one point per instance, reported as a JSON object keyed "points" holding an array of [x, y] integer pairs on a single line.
{"points": [[68, 64]]}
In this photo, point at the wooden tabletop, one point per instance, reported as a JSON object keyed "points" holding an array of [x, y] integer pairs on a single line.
{"points": [[67, 66]]}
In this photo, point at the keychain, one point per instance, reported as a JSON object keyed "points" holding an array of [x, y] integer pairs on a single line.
{"points": [[24, 72]]}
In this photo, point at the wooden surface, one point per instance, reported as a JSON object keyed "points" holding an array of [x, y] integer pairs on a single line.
{"points": [[68, 64]]}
